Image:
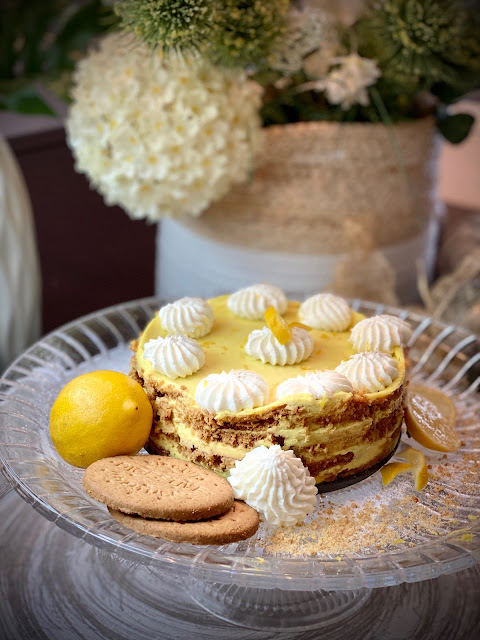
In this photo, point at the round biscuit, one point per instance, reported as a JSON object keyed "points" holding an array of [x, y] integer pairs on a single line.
{"points": [[158, 487], [238, 523]]}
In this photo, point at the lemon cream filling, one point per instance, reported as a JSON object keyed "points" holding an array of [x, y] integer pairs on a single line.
{"points": [[336, 438], [338, 433], [325, 462]]}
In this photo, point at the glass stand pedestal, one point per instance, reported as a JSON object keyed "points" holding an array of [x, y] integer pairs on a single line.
{"points": [[275, 609]]}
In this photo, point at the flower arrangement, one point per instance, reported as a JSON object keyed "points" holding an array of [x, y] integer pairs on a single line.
{"points": [[227, 32], [309, 60], [166, 118], [160, 135]]}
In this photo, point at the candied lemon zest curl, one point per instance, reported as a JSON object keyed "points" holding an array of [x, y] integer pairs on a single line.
{"points": [[300, 325], [277, 325], [419, 466], [391, 471]]}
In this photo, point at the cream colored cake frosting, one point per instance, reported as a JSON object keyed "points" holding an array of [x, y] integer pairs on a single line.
{"points": [[318, 384], [275, 483], [380, 333], [233, 391], [175, 356], [253, 301], [326, 311], [263, 345], [370, 371], [336, 433], [192, 317]]}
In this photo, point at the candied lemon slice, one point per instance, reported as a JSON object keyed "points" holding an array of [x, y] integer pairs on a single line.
{"points": [[299, 325], [391, 471], [419, 466], [277, 325], [430, 417]]}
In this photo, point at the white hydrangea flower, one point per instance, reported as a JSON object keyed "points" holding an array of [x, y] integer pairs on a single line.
{"points": [[161, 136], [347, 84]]}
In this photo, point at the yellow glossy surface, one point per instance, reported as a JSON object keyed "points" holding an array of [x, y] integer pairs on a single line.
{"points": [[224, 350]]}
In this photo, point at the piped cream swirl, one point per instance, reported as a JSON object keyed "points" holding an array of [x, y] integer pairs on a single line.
{"points": [[253, 301], [175, 356], [370, 371], [380, 333], [275, 483], [326, 311], [192, 317], [318, 384], [232, 391], [264, 346]]}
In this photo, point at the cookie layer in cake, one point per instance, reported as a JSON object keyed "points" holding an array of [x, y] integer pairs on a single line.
{"points": [[334, 436]]}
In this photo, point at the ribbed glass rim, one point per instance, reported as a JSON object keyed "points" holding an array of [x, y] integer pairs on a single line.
{"points": [[446, 353]]}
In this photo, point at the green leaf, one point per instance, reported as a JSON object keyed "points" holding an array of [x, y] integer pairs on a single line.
{"points": [[455, 128], [445, 92], [26, 100]]}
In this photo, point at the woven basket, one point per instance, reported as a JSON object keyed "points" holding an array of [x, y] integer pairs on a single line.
{"points": [[312, 177], [345, 207]]}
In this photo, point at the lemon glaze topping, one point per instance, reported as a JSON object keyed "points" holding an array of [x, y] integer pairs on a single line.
{"points": [[224, 349]]}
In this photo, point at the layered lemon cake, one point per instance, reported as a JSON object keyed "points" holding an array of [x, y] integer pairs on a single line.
{"points": [[230, 374]]}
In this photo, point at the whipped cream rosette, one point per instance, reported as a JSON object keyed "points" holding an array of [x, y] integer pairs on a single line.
{"points": [[192, 317], [275, 483], [380, 333], [264, 346], [232, 391], [323, 412], [318, 384], [175, 356], [370, 371], [253, 301], [326, 311]]}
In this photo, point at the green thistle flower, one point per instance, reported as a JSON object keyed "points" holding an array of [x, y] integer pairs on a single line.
{"points": [[419, 43], [246, 31], [169, 24], [228, 32]]}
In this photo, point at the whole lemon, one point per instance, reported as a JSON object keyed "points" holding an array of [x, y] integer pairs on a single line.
{"points": [[100, 414]]}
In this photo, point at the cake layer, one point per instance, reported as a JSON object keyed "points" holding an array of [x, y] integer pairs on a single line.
{"points": [[337, 449], [340, 465], [336, 436]]}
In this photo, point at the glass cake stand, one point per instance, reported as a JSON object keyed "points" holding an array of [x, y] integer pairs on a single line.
{"points": [[253, 583]]}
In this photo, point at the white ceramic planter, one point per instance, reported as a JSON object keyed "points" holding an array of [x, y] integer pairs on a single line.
{"points": [[291, 225], [188, 264]]}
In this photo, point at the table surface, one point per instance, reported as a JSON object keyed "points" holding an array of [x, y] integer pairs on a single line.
{"points": [[56, 586]]}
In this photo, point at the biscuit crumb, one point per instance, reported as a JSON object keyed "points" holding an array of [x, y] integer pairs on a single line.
{"points": [[360, 520]]}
